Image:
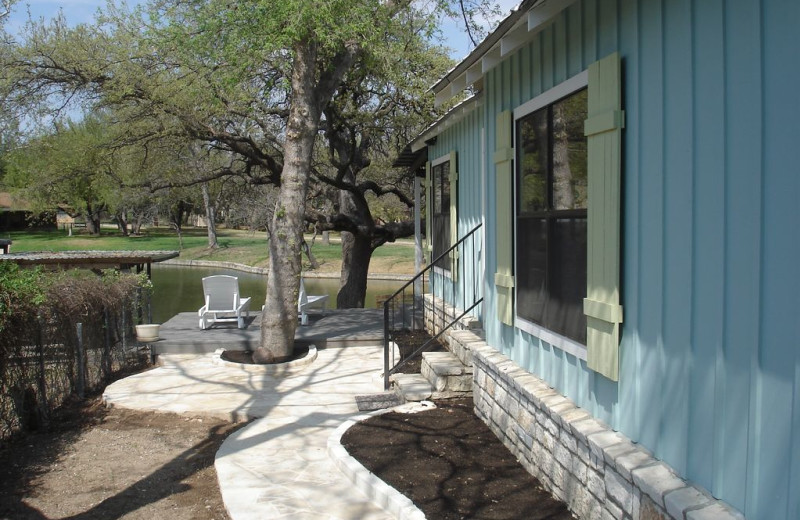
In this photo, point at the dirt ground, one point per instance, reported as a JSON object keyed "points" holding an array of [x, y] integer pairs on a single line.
{"points": [[451, 465], [98, 463]]}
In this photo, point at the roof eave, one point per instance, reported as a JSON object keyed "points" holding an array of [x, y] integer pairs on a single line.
{"points": [[525, 21]]}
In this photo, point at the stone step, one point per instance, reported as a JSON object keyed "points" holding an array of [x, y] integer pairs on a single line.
{"points": [[459, 342], [446, 373], [413, 387], [371, 402]]}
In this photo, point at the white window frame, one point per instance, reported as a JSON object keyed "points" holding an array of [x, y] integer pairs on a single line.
{"points": [[436, 162], [573, 84]]}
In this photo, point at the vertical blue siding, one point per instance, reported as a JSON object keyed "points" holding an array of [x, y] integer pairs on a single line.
{"points": [[742, 238], [464, 137], [775, 482], [650, 287], [630, 388], [708, 245], [710, 353], [678, 207]]}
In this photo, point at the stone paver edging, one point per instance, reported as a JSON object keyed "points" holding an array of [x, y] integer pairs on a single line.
{"points": [[367, 482]]}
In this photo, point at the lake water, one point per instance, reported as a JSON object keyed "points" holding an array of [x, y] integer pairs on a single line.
{"points": [[180, 289]]}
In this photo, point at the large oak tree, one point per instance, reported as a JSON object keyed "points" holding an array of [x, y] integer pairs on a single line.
{"points": [[255, 79]]}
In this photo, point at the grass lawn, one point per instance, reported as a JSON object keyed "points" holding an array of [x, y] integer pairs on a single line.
{"points": [[239, 246]]}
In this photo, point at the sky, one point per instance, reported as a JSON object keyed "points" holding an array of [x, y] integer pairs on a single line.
{"points": [[83, 11]]}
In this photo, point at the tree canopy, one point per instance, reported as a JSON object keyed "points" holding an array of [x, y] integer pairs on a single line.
{"points": [[264, 82]]}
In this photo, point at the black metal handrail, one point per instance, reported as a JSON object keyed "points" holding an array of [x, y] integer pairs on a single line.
{"points": [[398, 308]]}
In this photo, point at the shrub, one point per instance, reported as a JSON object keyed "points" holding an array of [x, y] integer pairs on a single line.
{"points": [[39, 354]]}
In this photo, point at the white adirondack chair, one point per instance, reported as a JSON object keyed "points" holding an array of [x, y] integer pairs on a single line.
{"points": [[304, 301], [223, 302]]}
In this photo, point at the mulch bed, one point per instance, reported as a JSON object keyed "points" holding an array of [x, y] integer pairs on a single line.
{"points": [[410, 340], [450, 465], [245, 357]]}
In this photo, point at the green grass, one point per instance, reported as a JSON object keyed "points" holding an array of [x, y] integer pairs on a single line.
{"points": [[235, 246]]}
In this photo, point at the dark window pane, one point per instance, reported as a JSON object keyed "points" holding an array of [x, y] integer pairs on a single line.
{"points": [[441, 212], [531, 280], [445, 176], [532, 143], [569, 152], [441, 238], [441, 188], [551, 182], [567, 280]]}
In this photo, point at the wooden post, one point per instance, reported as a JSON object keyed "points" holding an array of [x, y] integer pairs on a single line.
{"points": [[81, 363]]}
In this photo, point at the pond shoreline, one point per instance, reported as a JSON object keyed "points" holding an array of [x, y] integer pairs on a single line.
{"points": [[263, 270]]}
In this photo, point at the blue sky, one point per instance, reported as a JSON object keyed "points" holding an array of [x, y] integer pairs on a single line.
{"points": [[81, 11]]}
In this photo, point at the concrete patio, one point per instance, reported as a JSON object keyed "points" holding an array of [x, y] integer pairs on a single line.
{"points": [[288, 463]]}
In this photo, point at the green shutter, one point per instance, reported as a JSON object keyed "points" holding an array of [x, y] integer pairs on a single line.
{"points": [[428, 211], [504, 277], [603, 130], [453, 215]]}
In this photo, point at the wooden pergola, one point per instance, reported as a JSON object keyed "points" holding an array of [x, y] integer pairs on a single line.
{"points": [[94, 260]]}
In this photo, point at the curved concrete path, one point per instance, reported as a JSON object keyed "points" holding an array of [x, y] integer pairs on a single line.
{"points": [[280, 466]]}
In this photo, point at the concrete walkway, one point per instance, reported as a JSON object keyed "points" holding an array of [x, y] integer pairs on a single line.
{"points": [[281, 465]]}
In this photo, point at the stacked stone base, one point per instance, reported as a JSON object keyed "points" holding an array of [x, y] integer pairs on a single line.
{"points": [[598, 472], [439, 314]]}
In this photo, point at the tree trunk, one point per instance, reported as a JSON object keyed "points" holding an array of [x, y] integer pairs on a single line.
{"points": [[310, 254], [122, 222], [279, 319], [136, 224], [356, 248], [92, 217], [178, 230], [211, 217], [356, 255]]}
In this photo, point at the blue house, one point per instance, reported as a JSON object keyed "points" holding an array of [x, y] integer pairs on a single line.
{"points": [[630, 167]]}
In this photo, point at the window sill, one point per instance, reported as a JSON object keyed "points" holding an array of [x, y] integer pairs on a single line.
{"points": [[570, 346]]}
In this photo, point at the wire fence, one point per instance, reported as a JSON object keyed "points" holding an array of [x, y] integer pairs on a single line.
{"points": [[70, 347]]}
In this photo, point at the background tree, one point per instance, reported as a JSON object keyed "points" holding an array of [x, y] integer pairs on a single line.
{"points": [[377, 108], [62, 169], [250, 78]]}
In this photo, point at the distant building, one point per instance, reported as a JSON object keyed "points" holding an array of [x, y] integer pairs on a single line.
{"points": [[64, 219], [13, 213]]}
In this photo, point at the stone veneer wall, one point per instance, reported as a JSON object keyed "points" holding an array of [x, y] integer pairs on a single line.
{"points": [[439, 313], [598, 472]]}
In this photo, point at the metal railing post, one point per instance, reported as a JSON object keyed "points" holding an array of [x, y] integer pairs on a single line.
{"points": [[386, 346], [437, 315], [81, 363]]}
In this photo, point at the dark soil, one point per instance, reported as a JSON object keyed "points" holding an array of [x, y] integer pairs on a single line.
{"points": [[245, 357], [450, 465], [410, 340], [98, 463]]}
